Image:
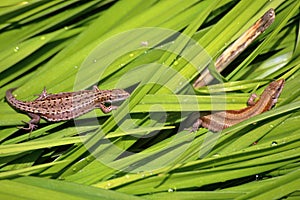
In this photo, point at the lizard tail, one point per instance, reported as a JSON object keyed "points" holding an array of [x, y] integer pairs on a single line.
{"points": [[10, 97]]}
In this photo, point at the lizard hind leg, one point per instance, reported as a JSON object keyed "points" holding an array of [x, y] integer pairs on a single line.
{"points": [[42, 96], [30, 127], [95, 88], [32, 124], [196, 125]]}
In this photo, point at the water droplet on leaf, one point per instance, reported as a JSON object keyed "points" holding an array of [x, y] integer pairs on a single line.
{"points": [[274, 143], [16, 49]]}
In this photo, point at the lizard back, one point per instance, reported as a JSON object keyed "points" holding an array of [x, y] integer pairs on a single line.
{"points": [[66, 105]]}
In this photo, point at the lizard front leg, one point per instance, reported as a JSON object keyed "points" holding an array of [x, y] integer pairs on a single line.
{"points": [[106, 109], [251, 100]]}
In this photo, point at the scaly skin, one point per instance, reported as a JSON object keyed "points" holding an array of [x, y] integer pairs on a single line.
{"points": [[224, 119], [66, 105]]}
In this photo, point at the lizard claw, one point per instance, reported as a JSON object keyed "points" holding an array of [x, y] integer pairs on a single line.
{"points": [[191, 130], [30, 127]]}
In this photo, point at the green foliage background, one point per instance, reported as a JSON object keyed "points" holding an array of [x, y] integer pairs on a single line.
{"points": [[44, 43]]}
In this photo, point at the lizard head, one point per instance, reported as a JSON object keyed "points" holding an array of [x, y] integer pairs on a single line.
{"points": [[117, 95], [274, 89]]}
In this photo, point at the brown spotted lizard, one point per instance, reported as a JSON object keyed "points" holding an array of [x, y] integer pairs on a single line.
{"points": [[66, 105]]}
